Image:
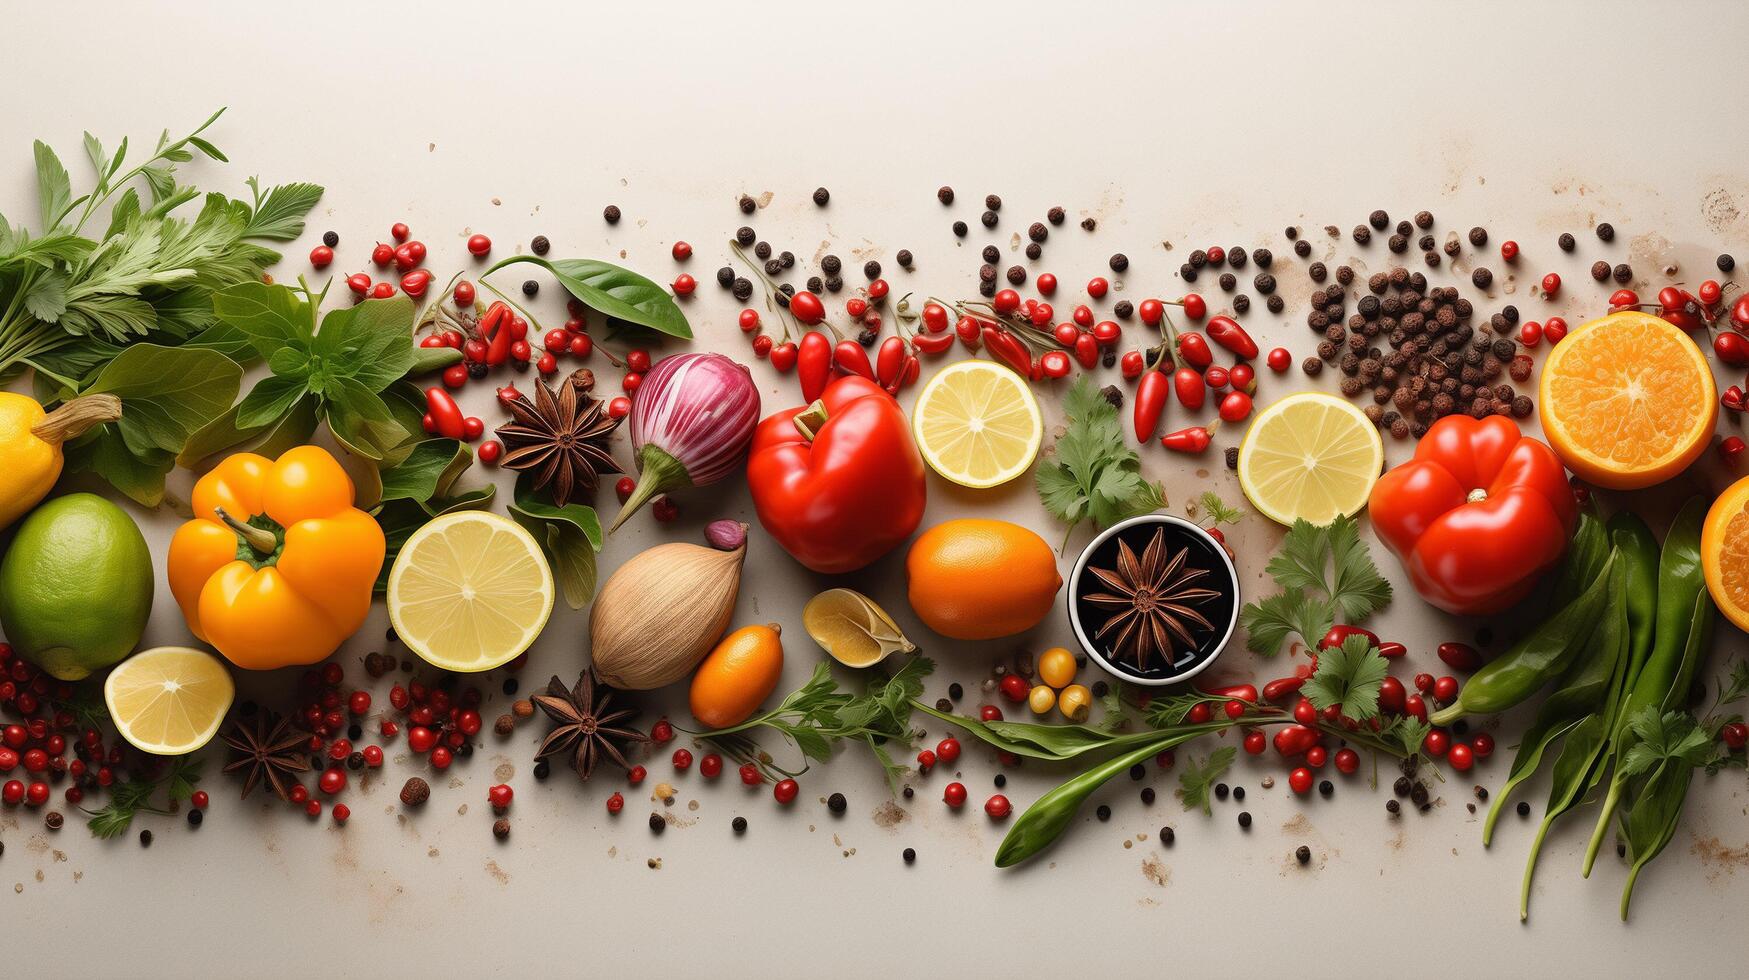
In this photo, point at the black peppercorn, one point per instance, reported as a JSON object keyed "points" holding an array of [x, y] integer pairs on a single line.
{"points": [[786, 258], [762, 251], [991, 253], [330, 238], [1239, 793], [195, 817], [1392, 807], [1726, 263], [611, 214], [1187, 272], [1302, 248], [1291, 232], [1221, 791], [1326, 787], [542, 769], [831, 265], [904, 258], [1119, 262], [1103, 812], [1606, 232], [871, 269], [1198, 258], [988, 218], [959, 229], [540, 245], [1147, 796], [1317, 271], [145, 838], [742, 289], [1523, 808], [744, 235], [836, 803], [1398, 244], [815, 284], [1034, 250], [1123, 309], [1362, 234], [1478, 236], [747, 204], [1624, 273], [1088, 224], [1600, 270], [1228, 282], [530, 287], [1138, 771], [821, 196], [1245, 819], [1275, 304], [1418, 794], [1265, 283], [944, 195], [1000, 780], [773, 267], [739, 824], [726, 277], [1566, 242], [909, 854], [657, 824], [1303, 854], [1241, 303], [1167, 836], [992, 202]]}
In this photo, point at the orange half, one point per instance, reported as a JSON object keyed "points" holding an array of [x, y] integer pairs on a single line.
{"points": [[1724, 552], [1627, 401]]}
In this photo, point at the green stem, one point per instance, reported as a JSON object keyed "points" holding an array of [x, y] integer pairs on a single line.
{"points": [[1536, 847], [1610, 801], [658, 472]]}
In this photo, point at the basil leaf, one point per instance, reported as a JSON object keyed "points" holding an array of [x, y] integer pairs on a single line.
{"points": [[227, 340], [270, 316], [613, 291], [290, 362], [291, 429], [167, 393], [428, 471], [270, 399], [429, 359], [138, 475], [371, 342], [569, 535], [361, 421]]}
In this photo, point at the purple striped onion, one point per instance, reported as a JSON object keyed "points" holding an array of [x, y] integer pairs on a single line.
{"points": [[692, 420]]}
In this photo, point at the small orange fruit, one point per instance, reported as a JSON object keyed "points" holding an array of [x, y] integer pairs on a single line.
{"points": [[737, 676], [1627, 400], [1724, 552], [980, 579]]}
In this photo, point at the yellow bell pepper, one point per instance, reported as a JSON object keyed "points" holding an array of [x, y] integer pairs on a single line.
{"points": [[277, 566], [30, 445]]}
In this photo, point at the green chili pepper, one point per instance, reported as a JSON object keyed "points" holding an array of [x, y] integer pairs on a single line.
{"points": [[1578, 769], [1046, 819], [1681, 630], [1583, 562], [1540, 657]]}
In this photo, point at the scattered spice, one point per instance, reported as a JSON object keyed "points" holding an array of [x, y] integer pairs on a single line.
{"points": [[560, 440], [540, 245], [739, 824], [415, 792], [501, 828], [267, 748], [821, 196], [1606, 232], [611, 214], [584, 727]]}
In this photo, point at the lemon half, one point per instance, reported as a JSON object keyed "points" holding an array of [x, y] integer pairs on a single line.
{"points": [[977, 424], [1310, 455], [470, 591], [169, 700]]}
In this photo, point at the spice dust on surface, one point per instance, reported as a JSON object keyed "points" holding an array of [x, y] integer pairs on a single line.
{"points": [[1155, 871], [1720, 859], [498, 874]]}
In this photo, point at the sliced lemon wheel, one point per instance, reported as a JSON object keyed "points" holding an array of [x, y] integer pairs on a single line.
{"points": [[977, 424], [470, 591], [1310, 456], [853, 628], [169, 700]]}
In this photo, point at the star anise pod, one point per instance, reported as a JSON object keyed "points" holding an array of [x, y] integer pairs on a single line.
{"points": [[584, 727], [267, 747], [560, 439], [1151, 601]]}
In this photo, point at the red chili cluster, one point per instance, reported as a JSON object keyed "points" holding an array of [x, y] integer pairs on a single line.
{"points": [[823, 355], [38, 740], [1183, 367]]}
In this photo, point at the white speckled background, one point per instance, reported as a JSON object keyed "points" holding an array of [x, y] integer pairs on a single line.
{"points": [[1171, 123]]}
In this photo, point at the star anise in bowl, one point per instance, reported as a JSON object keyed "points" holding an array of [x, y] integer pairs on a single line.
{"points": [[1150, 603], [560, 439]]}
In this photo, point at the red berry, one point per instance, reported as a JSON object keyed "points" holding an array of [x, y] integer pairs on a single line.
{"points": [[1509, 250], [1300, 780], [1280, 360], [1424, 683], [420, 739], [342, 813], [1735, 735], [616, 803], [12, 793], [1004, 302], [998, 807], [1460, 757], [684, 284], [1097, 287], [1015, 688], [359, 283], [382, 255], [1437, 743], [1551, 284], [1414, 707], [1316, 756], [373, 756], [1243, 377], [682, 759], [1445, 689], [681, 251], [1482, 746], [1165, 759], [1530, 333], [711, 766], [948, 750], [463, 293], [1554, 328], [989, 712], [441, 757], [479, 244], [636, 774], [749, 321], [499, 796], [877, 289], [619, 407], [1234, 709], [1347, 761], [624, 487], [934, 317], [490, 451], [1046, 283], [750, 775], [630, 382], [785, 791], [547, 363], [954, 795], [1195, 307], [399, 231], [580, 345], [1133, 364], [925, 760], [1305, 713], [332, 781], [1255, 743], [664, 509], [320, 256], [807, 308], [1151, 311]]}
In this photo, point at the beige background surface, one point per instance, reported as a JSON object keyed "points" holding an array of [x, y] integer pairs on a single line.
{"points": [[1171, 123]]}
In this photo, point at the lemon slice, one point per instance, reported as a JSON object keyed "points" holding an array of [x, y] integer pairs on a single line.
{"points": [[1312, 456], [470, 591], [852, 628], [977, 424], [169, 700]]}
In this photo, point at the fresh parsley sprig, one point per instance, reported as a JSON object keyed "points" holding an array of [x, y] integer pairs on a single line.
{"points": [[134, 796], [1195, 781], [1325, 573], [1348, 677], [1094, 474]]}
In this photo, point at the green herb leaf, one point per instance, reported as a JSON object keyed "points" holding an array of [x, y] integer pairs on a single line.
{"points": [[167, 393], [371, 342], [131, 797], [1197, 779], [54, 189], [1271, 620], [1357, 588], [268, 401], [1348, 676], [1672, 735], [1094, 473], [428, 471], [278, 216], [272, 317], [1329, 559], [1217, 510], [569, 535], [614, 292]]}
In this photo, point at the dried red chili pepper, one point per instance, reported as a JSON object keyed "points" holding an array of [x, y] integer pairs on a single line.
{"points": [[933, 343], [446, 416], [1296, 739], [1225, 330], [1460, 656], [1282, 688], [1195, 439], [1150, 403], [493, 327], [1340, 632]]}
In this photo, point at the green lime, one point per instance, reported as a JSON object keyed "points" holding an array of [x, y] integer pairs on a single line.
{"points": [[76, 586]]}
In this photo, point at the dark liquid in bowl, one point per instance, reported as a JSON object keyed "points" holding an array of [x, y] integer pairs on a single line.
{"points": [[1218, 610]]}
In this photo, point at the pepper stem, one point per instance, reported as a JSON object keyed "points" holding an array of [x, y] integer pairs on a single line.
{"points": [[658, 472], [809, 420], [75, 418], [260, 539]]}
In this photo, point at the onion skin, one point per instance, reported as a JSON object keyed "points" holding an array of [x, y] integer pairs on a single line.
{"points": [[662, 612], [692, 420]]}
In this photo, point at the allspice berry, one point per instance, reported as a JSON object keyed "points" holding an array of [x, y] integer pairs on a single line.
{"points": [[415, 792], [504, 725], [522, 708], [501, 828]]}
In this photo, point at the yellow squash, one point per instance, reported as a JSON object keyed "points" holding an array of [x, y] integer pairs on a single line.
{"points": [[30, 445]]}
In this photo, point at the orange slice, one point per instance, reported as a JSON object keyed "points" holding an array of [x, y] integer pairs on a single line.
{"points": [[1724, 552], [1627, 401]]}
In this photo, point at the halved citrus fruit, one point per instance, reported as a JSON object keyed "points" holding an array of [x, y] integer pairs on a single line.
{"points": [[852, 628], [470, 591], [1627, 400], [1724, 552], [169, 700], [1312, 456], [977, 424]]}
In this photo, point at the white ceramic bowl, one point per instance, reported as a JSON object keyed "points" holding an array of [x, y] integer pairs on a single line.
{"points": [[1214, 646]]}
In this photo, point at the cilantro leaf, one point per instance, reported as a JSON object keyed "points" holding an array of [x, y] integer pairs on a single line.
{"points": [[1197, 779], [1349, 676], [1356, 587], [1671, 736], [1271, 620], [1094, 473], [1217, 510]]}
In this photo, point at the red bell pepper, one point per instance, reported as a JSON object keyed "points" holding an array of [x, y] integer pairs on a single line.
{"points": [[838, 483], [1477, 516]]}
